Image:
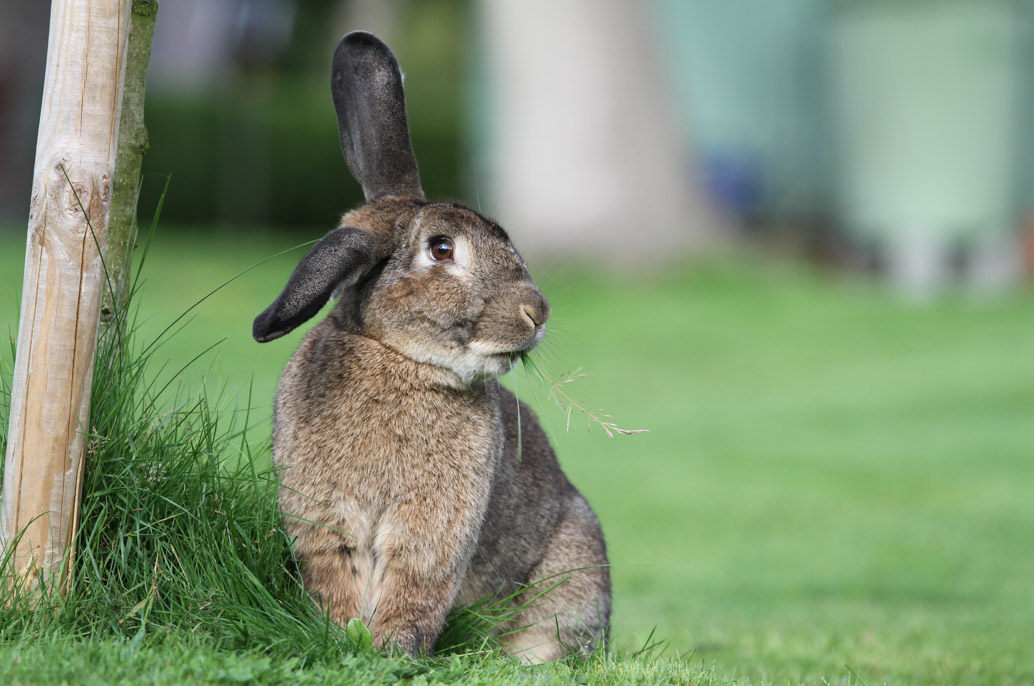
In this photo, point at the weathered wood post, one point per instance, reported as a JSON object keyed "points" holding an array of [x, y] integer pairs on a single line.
{"points": [[64, 281], [132, 144]]}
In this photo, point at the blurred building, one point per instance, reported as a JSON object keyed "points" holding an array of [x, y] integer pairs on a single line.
{"points": [[926, 106], [895, 127]]}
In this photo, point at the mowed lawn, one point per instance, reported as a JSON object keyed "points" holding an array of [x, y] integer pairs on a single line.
{"points": [[836, 485]]}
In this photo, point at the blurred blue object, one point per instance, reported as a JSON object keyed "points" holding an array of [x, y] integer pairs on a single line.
{"points": [[733, 181], [744, 79]]}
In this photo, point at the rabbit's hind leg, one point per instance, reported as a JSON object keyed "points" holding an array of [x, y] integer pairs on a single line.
{"points": [[335, 580], [567, 609]]}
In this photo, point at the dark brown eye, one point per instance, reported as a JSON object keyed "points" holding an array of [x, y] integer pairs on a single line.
{"points": [[441, 249]]}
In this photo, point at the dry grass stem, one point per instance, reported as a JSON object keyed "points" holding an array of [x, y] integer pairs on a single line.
{"points": [[568, 405]]}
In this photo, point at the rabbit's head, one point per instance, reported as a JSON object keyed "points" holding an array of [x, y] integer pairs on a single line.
{"points": [[436, 282]]}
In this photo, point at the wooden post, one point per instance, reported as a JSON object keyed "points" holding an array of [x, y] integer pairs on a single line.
{"points": [[132, 144], [64, 279]]}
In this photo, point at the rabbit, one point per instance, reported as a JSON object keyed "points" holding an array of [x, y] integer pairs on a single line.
{"points": [[410, 480]]}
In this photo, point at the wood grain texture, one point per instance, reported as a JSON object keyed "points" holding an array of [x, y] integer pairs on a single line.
{"points": [[64, 280]]}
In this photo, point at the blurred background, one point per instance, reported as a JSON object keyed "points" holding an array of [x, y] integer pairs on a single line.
{"points": [[770, 230], [874, 134]]}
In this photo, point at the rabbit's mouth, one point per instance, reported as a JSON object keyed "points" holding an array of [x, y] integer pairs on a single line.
{"points": [[513, 356], [509, 359], [494, 359]]}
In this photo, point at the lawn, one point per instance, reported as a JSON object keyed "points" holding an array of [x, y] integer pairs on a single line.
{"points": [[836, 486]]}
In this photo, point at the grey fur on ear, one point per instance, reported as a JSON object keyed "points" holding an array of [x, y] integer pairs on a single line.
{"points": [[366, 84], [340, 258]]}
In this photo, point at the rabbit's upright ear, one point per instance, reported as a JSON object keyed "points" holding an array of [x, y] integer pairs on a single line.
{"points": [[366, 83], [339, 259]]}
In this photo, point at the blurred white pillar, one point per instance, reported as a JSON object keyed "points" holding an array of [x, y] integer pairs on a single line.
{"points": [[587, 157]]}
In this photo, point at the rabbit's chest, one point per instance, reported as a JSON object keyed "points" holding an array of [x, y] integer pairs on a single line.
{"points": [[413, 490], [386, 467], [396, 446]]}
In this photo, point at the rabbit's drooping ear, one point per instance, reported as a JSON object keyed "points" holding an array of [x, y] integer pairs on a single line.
{"points": [[366, 83], [341, 258]]}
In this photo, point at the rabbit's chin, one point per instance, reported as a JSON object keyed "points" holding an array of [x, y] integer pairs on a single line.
{"points": [[471, 362], [471, 365], [487, 359]]}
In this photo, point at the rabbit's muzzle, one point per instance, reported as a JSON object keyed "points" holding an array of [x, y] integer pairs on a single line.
{"points": [[516, 323], [510, 325], [535, 310]]}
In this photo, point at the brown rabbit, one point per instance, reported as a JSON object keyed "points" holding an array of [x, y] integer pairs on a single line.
{"points": [[406, 481]]}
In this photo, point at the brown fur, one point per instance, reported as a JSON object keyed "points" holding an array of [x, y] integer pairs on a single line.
{"points": [[405, 480]]}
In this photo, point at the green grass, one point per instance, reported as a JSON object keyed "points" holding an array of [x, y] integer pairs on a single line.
{"points": [[836, 486]]}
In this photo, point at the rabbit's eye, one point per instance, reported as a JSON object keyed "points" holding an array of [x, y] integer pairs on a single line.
{"points": [[441, 249]]}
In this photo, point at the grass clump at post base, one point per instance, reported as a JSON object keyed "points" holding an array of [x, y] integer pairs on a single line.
{"points": [[179, 530], [182, 571]]}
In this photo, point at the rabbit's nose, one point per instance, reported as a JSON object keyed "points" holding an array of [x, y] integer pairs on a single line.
{"points": [[536, 309]]}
